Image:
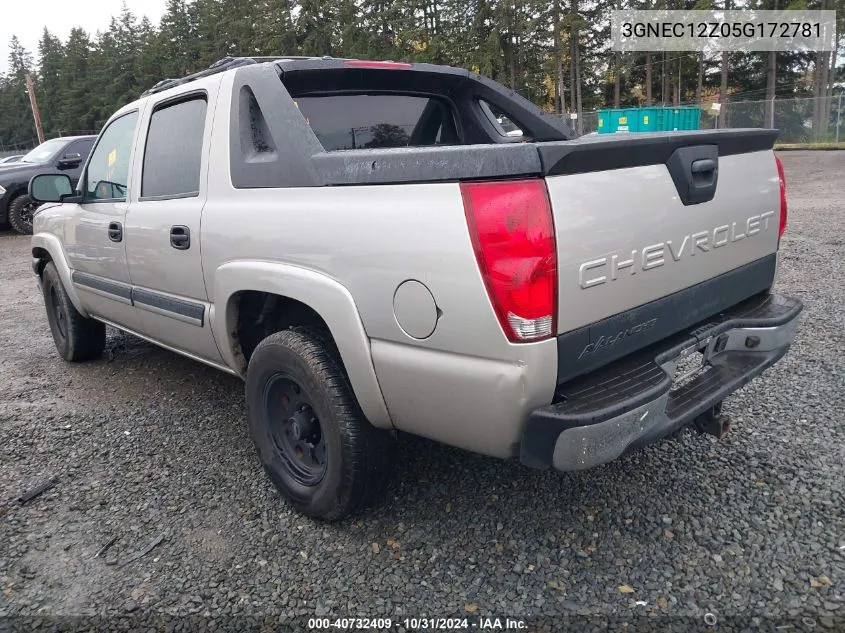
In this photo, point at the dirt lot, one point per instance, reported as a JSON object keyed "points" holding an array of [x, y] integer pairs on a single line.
{"points": [[148, 444]]}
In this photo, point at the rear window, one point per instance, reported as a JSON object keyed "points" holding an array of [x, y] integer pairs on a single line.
{"points": [[363, 121]]}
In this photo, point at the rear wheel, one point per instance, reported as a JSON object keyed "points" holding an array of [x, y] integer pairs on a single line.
{"points": [[76, 337], [311, 436], [21, 210]]}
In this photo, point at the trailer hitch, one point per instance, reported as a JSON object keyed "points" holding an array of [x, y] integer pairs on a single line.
{"points": [[712, 422]]}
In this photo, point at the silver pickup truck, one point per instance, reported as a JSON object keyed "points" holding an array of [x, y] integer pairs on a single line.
{"points": [[369, 248]]}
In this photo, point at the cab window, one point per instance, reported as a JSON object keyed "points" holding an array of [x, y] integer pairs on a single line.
{"points": [[365, 121], [108, 171]]}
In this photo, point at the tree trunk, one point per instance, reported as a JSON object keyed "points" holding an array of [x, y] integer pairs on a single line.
{"points": [[699, 86], [519, 38], [824, 108], [576, 60], [617, 67], [831, 80], [771, 84], [512, 72], [723, 86], [819, 94], [663, 80], [561, 89], [558, 61], [821, 76], [723, 91], [572, 107], [677, 91], [648, 99], [616, 84], [578, 88], [510, 58]]}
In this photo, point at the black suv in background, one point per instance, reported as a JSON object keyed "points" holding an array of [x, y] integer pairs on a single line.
{"points": [[64, 155]]}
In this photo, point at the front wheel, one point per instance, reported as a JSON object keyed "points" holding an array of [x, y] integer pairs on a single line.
{"points": [[311, 436], [21, 210], [76, 337]]}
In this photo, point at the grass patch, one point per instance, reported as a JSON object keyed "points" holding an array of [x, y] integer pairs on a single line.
{"points": [[823, 146]]}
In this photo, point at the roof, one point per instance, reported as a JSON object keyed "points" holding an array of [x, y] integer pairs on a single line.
{"points": [[220, 66], [72, 138]]}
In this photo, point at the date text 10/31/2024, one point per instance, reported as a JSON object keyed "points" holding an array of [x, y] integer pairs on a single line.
{"points": [[418, 624]]}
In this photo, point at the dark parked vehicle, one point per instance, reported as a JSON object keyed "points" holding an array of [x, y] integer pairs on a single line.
{"points": [[10, 159], [64, 155]]}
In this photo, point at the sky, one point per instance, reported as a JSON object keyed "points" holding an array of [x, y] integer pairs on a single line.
{"points": [[27, 19]]}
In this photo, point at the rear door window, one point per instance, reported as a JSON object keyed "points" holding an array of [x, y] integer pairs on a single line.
{"points": [[173, 153], [364, 121]]}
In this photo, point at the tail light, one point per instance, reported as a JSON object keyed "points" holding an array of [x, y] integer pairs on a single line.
{"points": [[782, 197], [512, 231]]}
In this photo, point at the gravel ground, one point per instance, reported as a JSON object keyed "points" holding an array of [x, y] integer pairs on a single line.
{"points": [[147, 444]]}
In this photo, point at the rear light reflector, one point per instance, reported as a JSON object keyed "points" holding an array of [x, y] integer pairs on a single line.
{"points": [[512, 232], [782, 197], [360, 63]]}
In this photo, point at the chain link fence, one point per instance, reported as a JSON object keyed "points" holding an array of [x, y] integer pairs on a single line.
{"points": [[798, 120]]}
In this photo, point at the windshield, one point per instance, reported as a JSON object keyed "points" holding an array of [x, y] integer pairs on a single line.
{"points": [[44, 152]]}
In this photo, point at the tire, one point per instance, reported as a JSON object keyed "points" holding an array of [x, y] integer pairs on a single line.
{"points": [[77, 338], [316, 445], [20, 214]]}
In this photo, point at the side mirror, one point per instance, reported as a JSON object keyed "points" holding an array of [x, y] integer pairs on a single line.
{"points": [[50, 187], [69, 161]]}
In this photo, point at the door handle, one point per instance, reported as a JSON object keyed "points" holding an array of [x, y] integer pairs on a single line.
{"points": [[180, 237], [115, 231]]}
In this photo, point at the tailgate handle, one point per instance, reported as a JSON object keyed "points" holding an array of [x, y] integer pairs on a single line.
{"points": [[695, 171], [703, 166]]}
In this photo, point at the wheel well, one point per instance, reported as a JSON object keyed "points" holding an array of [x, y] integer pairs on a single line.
{"points": [[4, 215], [43, 257], [257, 314], [18, 194]]}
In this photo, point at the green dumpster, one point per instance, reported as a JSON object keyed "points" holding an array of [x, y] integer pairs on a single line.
{"points": [[651, 119], [624, 120], [679, 118]]}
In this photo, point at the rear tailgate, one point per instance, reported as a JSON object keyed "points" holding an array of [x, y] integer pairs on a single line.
{"points": [[656, 232]]}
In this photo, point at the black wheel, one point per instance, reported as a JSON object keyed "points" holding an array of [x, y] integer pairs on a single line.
{"points": [[312, 438], [20, 214], [76, 337]]}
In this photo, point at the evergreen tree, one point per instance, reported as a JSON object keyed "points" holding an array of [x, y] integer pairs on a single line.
{"points": [[177, 45], [556, 53], [51, 51], [78, 89], [16, 123]]}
